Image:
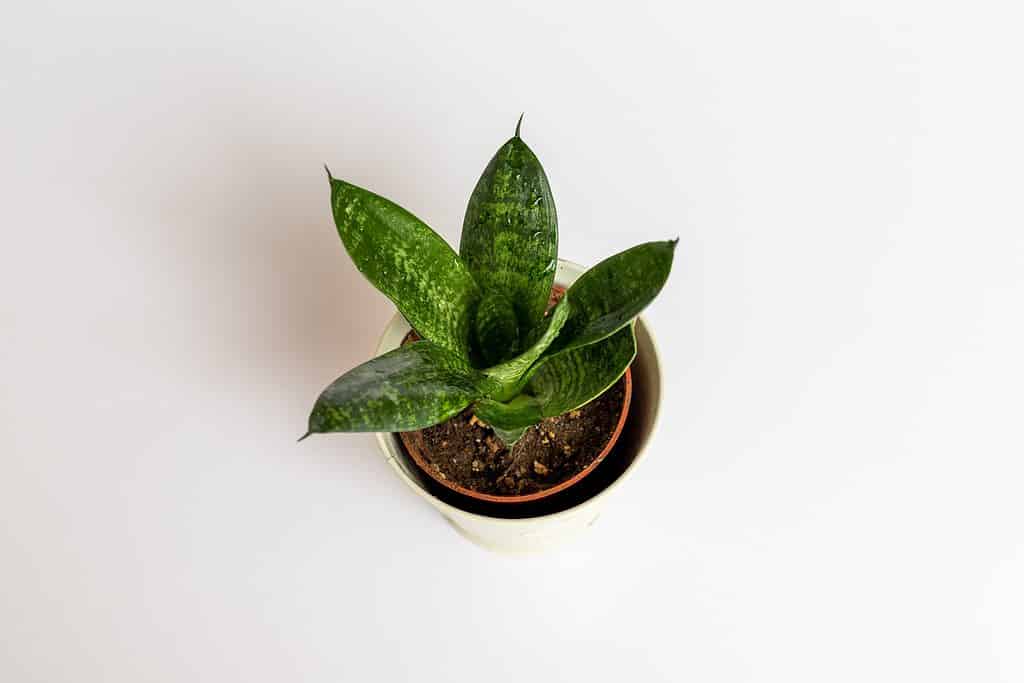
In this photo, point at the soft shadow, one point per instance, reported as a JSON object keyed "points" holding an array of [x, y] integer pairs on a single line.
{"points": [[283, 309]]}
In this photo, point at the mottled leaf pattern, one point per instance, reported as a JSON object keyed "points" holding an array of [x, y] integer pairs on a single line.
{"points": [[510, 232], [484, 308], [409, 263], [510, 376], [413, 387], [575, 377], [496, 328], [612, 293]]}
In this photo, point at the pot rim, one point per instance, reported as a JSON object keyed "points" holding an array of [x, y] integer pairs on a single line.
{"points": [[387, 441]]}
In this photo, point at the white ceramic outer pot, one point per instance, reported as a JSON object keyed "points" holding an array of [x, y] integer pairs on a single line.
{"points": [[534, 533]]}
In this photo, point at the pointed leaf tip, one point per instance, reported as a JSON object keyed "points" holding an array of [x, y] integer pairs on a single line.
{"points": [[329, 176], [407, 262], [612, 293], [412, 387], [510, 233], [304, 436]]}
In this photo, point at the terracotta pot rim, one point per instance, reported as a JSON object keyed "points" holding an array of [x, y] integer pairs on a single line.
{"points": [[421, 462]]}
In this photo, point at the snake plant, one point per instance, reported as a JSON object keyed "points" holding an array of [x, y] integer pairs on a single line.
{"points": [[487, 338]]}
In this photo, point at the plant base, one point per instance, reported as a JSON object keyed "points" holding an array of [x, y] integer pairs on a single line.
{"points": [[464, 451]]}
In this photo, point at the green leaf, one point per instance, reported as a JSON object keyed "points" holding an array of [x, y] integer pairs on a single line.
{"points": [[496, 327], [609, 295], [410, 263], [510, 232], [415, 386], [575, 377], [509, 375], [509, 436], [522, 411], [509, 420]]}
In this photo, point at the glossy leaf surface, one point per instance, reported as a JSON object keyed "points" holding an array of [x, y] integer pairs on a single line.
{"points": [[509, 420], [611, 294], [510, 375], [496, 329], [577, 376], [408, 262], [510, 232], [412, 387]]}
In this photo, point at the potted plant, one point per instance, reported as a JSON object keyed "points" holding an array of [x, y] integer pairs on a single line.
{"points": [[508, 387]]}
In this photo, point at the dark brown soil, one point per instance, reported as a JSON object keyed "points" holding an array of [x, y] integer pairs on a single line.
{"points": [[465, 451]]}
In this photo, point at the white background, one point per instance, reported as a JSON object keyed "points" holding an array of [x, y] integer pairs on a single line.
{"points": [[836, 490]]}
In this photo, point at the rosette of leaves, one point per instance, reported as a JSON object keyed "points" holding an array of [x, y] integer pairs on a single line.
{"points": [[488, 339]]}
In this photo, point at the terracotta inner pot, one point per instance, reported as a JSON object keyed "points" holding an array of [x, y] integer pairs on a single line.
{"points": [[413, 443]]}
